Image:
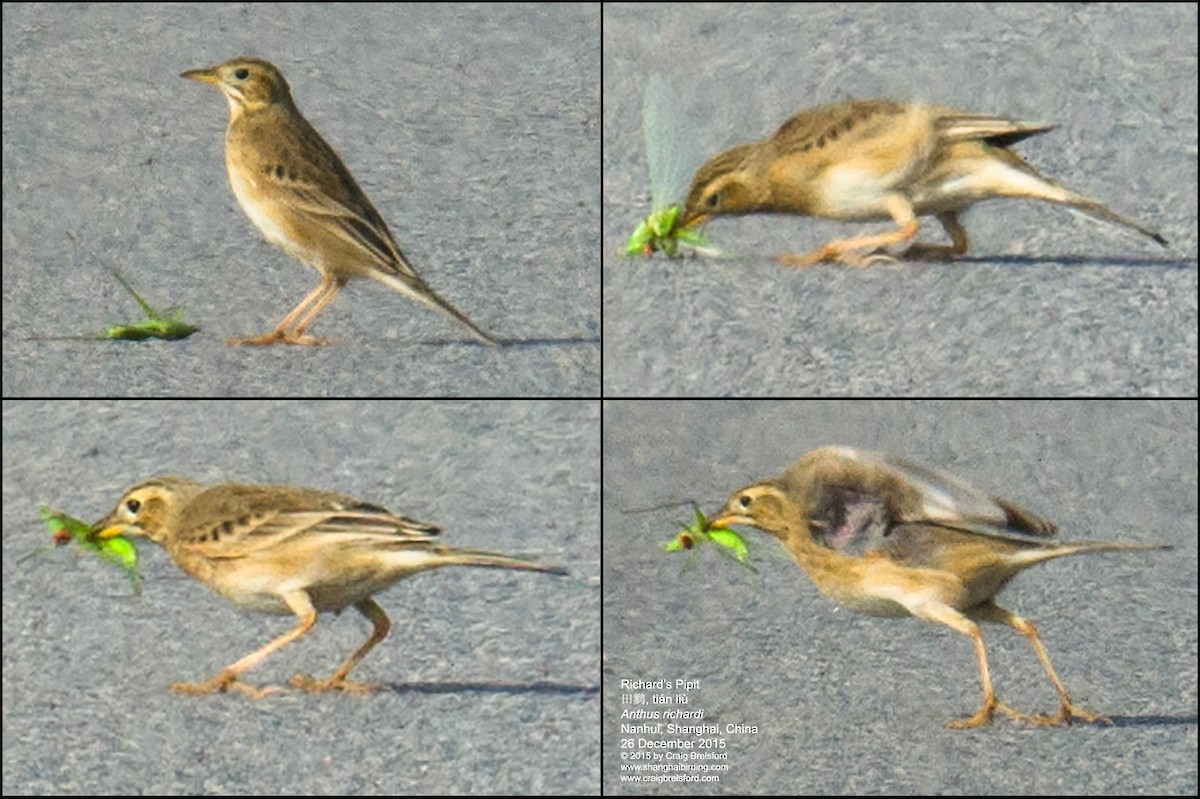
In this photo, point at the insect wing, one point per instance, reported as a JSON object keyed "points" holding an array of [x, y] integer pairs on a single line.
{"points": [[662, 131]]}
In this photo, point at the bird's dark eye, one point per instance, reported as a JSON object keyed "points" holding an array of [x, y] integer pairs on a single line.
{"points": [[133, 505], [712, 200], [744, 500], [242, 73]]}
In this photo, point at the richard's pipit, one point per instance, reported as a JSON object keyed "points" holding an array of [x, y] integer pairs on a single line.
{"points": [[883, 536], [286, 550], [297, 191], [877, 159]]}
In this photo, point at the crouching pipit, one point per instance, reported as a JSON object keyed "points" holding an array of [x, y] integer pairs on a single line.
{"points": [[287, 550], [876, 159], [300, 195]]}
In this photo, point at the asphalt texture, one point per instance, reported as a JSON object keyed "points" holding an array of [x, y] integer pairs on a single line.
{"points": [[467, 127], [852, 704], [490, 677], [1045, 304]]}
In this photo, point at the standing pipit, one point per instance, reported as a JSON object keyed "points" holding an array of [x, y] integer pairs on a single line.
{"points": [[287, 550], [297, 191]]}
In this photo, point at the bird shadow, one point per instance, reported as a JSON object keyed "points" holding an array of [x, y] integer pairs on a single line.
{"points": [[1152, 721], [493, 688], [1079, 260]]}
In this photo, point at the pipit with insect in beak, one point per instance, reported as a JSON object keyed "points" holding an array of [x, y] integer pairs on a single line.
{"points": [[300, 195], [286, 550], [878, 159], [885, 537]]}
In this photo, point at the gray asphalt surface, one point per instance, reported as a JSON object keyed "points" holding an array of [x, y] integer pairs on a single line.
{"points": [[849, 704], [492, 674], [1046, 304], [467, 127]]}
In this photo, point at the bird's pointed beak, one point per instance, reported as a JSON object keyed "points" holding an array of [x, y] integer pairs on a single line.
{"points": [[101, 531], [724, 518]]}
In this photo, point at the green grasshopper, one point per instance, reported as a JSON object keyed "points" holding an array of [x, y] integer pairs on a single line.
{"points": [[117, 549], [167, 324], [728, 542], [660, 230]]}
